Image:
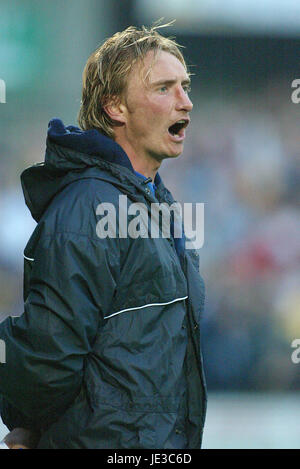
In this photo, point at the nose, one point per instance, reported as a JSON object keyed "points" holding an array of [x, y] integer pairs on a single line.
{"points": [[183, 101]]}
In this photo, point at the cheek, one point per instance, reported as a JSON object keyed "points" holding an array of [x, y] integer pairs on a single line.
{"points": [[146, 121], [148, 116], [151, 110]]}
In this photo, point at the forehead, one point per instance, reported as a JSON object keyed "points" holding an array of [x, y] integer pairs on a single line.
{"points": [[156, 67]]}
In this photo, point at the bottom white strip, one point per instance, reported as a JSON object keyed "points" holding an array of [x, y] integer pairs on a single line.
{"points": [[145, 306]]}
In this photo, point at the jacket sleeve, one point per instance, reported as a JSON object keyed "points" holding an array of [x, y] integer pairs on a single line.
{"points": [[13, 418], [72, 283]]}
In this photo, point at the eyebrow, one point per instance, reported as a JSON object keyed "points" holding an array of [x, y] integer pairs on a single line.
{"points": [[186, 81]]}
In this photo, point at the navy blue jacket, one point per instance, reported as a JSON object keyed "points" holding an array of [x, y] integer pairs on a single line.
{"points": [[107, 351]]}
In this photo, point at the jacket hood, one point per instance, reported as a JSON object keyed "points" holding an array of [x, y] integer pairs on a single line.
{"points": [[70, 151], [89, 142]]}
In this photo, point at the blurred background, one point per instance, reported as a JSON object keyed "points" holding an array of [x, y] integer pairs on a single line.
{"points": [[241, 159]]}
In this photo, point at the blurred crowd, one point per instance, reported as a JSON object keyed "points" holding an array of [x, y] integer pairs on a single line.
{"points": [[241, 159]]}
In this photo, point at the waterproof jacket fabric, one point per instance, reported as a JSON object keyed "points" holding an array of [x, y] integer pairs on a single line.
{"points": [[107, 351]]}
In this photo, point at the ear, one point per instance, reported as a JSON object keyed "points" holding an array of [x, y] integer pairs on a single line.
{"points": [[116, 110]]}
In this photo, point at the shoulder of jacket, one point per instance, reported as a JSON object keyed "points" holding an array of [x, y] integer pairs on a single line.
{"points": [[86, 189]]}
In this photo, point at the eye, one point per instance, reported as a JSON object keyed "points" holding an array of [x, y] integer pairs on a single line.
{"points": [[163, 89], [187, 88]]}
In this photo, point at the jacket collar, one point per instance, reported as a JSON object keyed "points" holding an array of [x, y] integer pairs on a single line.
{"points": [[69, 152]]}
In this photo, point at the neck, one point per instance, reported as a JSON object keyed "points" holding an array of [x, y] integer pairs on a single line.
{"points": [[143, 164], [146, 167]]}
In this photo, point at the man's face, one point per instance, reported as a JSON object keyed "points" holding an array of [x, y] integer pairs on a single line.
{"points": [[153, 106]]}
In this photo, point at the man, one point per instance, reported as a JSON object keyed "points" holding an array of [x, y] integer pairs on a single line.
{"points": [[107, 352]]}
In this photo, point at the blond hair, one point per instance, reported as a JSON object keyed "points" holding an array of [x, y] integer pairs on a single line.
{"points": [[106, 71]]}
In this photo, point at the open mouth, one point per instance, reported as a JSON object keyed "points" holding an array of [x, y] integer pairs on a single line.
{"points": [[177, 129]]}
